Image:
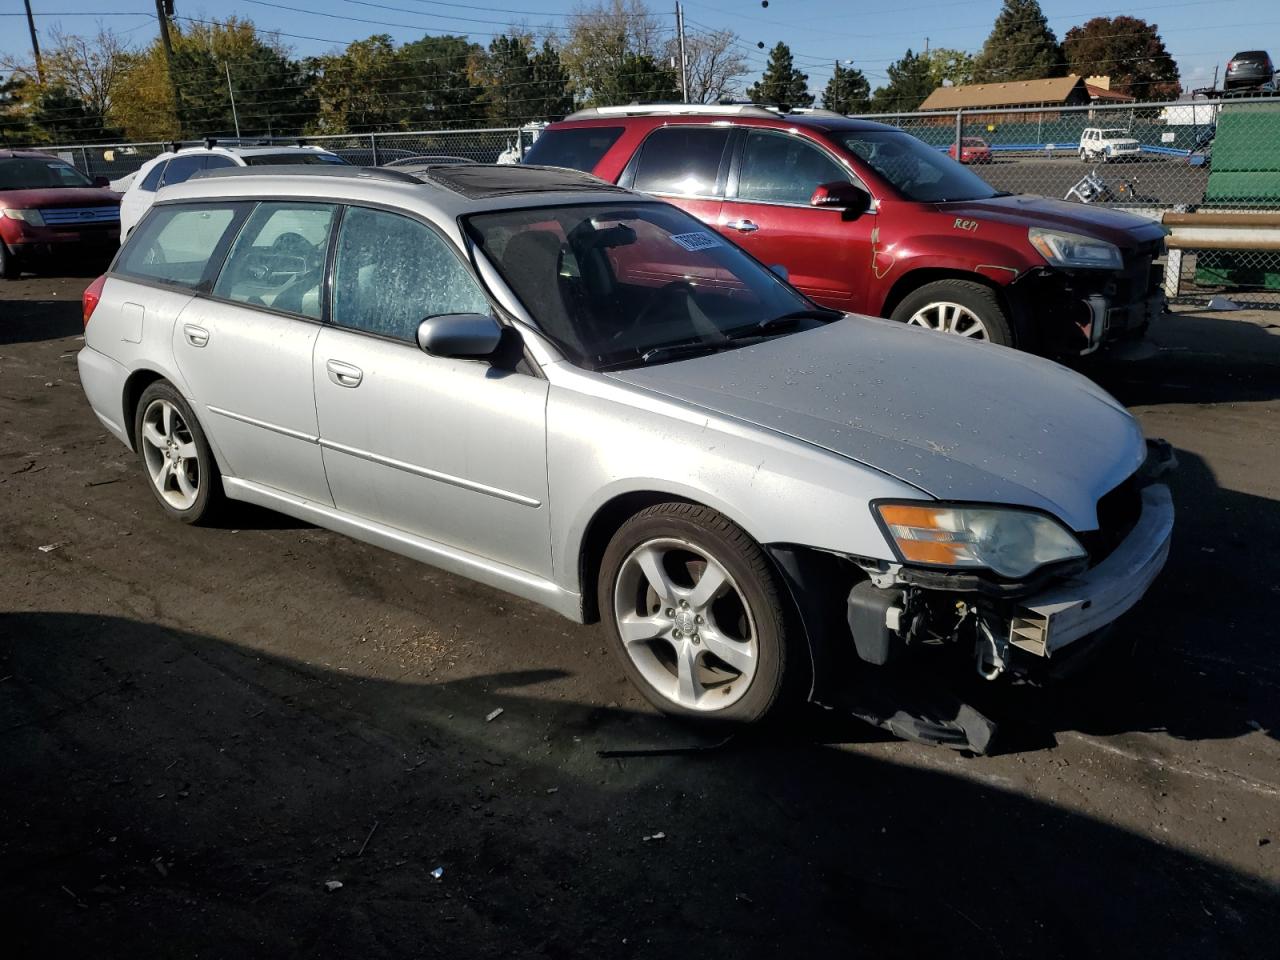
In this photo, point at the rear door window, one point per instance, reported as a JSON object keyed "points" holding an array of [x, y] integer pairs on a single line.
{"points": [[278, 259], [681, 161], [578, 148], [181, 169], [780, 168], [151, 182], [180, 244]]}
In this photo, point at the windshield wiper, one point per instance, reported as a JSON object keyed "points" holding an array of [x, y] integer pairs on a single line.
{"points": [[791, 319], [679, 351]]}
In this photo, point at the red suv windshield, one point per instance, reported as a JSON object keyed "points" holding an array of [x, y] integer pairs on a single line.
{"points": [[916, 171], [38, 173]]}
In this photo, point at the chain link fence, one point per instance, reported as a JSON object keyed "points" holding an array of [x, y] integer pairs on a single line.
{"points": [[1189, 156], [1198, 155]]}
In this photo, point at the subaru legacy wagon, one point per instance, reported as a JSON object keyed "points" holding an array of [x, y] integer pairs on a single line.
{"points": [[589, 399]]}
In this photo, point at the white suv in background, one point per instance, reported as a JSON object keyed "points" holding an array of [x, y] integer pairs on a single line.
{"points": [[1100, 145], [178, 166]]}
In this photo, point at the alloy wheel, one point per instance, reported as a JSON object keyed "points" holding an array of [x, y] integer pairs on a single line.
{"points": [[947, 317], [685, 624], [170, 455]]}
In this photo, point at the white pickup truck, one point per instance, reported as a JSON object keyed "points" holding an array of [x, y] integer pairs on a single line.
{"points": [[1098, 145]]}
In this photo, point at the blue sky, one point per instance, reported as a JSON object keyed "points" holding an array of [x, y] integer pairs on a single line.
{"points": [[1199, 33]]}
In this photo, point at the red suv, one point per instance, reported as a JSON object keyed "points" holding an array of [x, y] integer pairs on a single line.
{"points": [[48, 209], [868, 219]]}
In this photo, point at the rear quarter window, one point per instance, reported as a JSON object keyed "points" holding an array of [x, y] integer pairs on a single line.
{"points": [[180, 244], [578, 148], [151, 182]]}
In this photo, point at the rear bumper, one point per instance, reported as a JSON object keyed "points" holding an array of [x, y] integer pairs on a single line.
{"points": [[103, 381]]}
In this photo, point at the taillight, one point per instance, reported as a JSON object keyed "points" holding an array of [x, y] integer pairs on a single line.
{"points": [[92, 294]]}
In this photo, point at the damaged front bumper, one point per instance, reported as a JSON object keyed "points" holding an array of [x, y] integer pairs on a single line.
{"points": [[1049, 621]]}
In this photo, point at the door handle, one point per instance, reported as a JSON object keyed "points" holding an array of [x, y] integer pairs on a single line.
{"points": [[742, 226], [344, 374], [196, 336]]}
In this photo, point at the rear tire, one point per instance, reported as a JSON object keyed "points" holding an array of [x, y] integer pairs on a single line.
{"points": [[960, 308], [179, 466], [719, 649]]}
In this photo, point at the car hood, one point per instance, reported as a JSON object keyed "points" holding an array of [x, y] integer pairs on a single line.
{"points": [[1125, 230], [958, 420], [45, 198]]}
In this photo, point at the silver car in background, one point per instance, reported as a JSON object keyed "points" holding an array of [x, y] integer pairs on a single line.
{"points": [[587, 398]]}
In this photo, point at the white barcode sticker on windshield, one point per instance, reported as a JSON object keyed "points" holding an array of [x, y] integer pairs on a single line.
{"points": [[693, 242]]}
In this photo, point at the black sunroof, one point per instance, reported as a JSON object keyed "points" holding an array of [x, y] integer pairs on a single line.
{"points": [[481, 181]]}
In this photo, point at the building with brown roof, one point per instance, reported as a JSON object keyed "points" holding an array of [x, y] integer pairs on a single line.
{"points": [[1069, 91]]}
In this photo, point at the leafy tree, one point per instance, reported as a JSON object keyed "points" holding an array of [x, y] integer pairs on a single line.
{"points": [[272, 91], [608, 41], [1127, 50], [781, 82], [520, 83], [81, 77], [952, 66], [847, 91], [642, 79], [15, 125], [1021, 46], [550, 98], [360, 89], [712, 63], [65, 118], [909, 83], [441, 91]]}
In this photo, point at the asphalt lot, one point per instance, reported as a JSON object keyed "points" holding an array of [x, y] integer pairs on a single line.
{"points": [[1166, 180], [200, 727]]}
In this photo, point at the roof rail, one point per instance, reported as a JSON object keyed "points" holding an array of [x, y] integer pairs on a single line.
{"points": [[311, 170], [818, 112], [671, 109]]}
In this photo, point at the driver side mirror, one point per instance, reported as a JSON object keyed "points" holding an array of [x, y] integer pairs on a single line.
{"points": [[463, 336], [842, 195]]}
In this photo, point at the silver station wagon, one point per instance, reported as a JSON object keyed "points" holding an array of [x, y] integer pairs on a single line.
{"points": [[587, 398]]}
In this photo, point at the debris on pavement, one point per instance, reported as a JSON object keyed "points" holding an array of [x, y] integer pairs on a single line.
{"points": [[48, 547], [437, 873], [654, 836], [493, 715], [332, 885]]}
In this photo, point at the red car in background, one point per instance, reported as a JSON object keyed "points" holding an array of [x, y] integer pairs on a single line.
{"points": [[972, 150], [866, 218], [50, 211]]}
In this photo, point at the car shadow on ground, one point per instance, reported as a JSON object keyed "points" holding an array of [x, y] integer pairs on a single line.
{"points": [[1241, 365], [31, 321], [173, 794]]}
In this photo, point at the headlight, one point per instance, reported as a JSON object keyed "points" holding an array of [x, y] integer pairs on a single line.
{"points": [[1008, 542], [27, 216], [1073, 250]]}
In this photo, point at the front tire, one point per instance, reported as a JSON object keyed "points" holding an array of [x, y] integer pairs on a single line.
{"points": [[695, 613], [180, 469], [960, 308]]}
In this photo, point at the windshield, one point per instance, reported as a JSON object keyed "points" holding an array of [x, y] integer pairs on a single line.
{"points": [[279, 159], [1115, 134], [38, 173], [621, 285], [916, 171]]}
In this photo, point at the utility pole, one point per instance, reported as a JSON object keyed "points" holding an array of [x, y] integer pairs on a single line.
{"points": [[684, 64], [234, 116], [164, 10], [35, 43]]}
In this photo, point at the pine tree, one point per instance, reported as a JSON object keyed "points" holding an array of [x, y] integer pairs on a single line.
{"points": [[909, 83], [1021, 46], [847, 91], [781, 81]]}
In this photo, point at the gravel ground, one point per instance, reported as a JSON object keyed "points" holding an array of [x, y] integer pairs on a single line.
{"points": [[201, 728]]}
